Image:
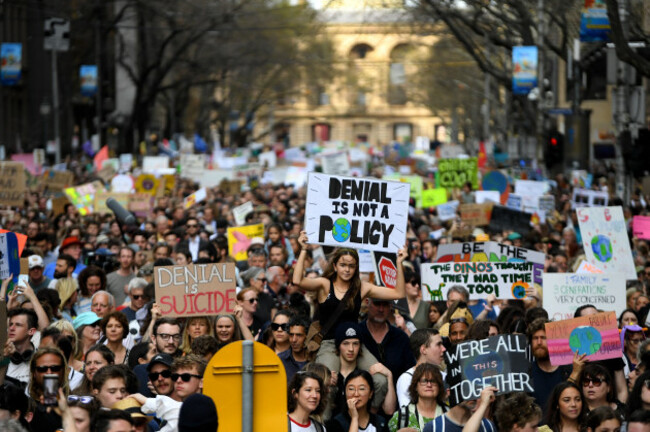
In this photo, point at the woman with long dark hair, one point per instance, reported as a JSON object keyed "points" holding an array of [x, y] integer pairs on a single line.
{"points": [[565, 410]]}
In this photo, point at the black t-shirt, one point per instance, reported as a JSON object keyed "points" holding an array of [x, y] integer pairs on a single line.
{"points": [[327, 308]]}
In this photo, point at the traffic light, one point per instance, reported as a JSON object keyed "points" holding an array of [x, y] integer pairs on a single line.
{"points": [[554, 148]]}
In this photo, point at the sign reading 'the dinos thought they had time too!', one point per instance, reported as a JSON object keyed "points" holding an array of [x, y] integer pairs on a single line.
{"points": [[360, 213]]}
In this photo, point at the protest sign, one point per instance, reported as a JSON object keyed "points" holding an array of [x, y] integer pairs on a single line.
{"points": [[21, 240], [155, 164], [57, 180], [641, 227], [605, 241], [268, 159], [586, 267], [58, 204], [126, 162], [230, 187], [122, 183], [531, 188], [147, 183], [589, 198], [417, 185], [83, 196], [195, 198], [491, 252], [356, 212], [336, 163], [366, 261], [475, 214], [100, 206], [192, 166], [241, 211], [595, 335], [385, 264], [565, 292], [239, 239], [515, 202], [447, 210], [505, 219], [496, 181], [12, 184], [9, 258], [498, 361], [433, 197], [454, 173], [546, 204], [140, 204], [107, 172], [487, 196], [296, 176], [195, 289], [247, 171], [504, 280]]}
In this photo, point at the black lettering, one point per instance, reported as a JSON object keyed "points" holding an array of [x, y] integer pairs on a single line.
{"points": [[335, 188], [326, 224]]}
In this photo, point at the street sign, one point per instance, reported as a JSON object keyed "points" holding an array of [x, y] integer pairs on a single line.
{"points": [[223, 382], [57, 35]]}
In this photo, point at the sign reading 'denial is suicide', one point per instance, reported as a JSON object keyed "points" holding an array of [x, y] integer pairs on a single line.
{"points": [[195, 289], [498, 361], [504, 280], [361, 213], [564, 292]]}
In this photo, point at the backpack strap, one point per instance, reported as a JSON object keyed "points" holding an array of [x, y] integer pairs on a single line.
{"points": [[318, 425], [403, 417]]}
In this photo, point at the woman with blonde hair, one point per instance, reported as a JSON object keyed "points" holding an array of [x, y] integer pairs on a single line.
{"points": [[67, 329], [230, 328], [194, 327], [67, 289]]}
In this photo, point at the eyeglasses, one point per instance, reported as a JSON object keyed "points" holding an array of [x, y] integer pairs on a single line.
{"points": [[82, 399], [424, 381], [276, 327], [414, 282], [458, 320], [192, 226], [253, 300], [137, 297], [595, 381], [51, 368], [636, 341], [186, 377], [262, 279], [153, 376], [165, 336]]}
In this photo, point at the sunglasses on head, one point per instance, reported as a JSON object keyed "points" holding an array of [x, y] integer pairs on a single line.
{"points": [[458, 320], [51, 368], [186, 377], [81, 399], [276, 327], [153, 376], [595, 381]]}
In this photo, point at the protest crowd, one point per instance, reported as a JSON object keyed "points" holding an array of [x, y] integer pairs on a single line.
{"points": [[441, 311]]}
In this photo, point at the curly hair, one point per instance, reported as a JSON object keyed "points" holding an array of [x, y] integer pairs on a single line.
{"points": [[296, 383], [517, 409], [120, 318], [85, 274], [427, 371]]}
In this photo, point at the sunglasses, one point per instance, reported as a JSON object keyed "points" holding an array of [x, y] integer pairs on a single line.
{"points": [[153, 376], [595, 381], [51, 368], [82, 399], [137, 297], [276, 327], [458, 320], [262, 279], [192, 226], [186, 377], [253, 300]]}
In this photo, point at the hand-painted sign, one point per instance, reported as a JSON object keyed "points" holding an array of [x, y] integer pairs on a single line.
{"points": [[641, 227], [476, 214], [454, 173], [505, 219], [360, 213], [12, 184], [239, 239]]}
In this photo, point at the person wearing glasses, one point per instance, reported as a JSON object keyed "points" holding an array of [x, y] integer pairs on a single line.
{"points": [[280, 332], [160, 375], [599, 388], [167, 334], [136, 289], [88, 332], [47, 360], [631, 338], [82, 409], [248, 299], [427, 395], [193, 241], [117, 281], [255, 278]]}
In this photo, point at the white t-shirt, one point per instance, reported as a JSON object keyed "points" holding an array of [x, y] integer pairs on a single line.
{"points": [[309, 427]]}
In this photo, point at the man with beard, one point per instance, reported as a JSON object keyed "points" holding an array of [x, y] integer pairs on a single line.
{"points": [[295, 358], [70, 246], [545, 376], [63, 268]]}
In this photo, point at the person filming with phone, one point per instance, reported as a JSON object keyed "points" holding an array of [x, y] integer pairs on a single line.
{"points": [[47, 369]]}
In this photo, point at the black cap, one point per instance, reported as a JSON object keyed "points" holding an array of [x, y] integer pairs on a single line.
{"points": [[161, 358]]}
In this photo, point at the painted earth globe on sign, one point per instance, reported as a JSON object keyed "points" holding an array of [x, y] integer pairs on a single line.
{"points": [[585, 340], [602, 248], [341, 230]]}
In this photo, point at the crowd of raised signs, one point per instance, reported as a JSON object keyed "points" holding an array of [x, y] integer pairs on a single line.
{"points": [[509, 315]]}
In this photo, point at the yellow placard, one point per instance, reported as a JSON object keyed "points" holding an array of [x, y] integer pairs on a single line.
{"points": [[433, 197], [239, 239], [147, 183]]}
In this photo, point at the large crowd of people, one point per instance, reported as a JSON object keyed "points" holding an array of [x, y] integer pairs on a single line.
{"points": [[87, 319]]}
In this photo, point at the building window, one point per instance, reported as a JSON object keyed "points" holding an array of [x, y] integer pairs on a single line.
{"points": [[402, 132], [361, 98], [321, 132], [359, 51], [397, 78]]}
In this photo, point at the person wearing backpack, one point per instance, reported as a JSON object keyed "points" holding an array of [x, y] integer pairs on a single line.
{"points": [[304, 400]]}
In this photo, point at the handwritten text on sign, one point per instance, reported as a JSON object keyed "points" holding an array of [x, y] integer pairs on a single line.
{"points": [[196, 289], [498, 361], [356, 212], [595, 335], [504, 280]]}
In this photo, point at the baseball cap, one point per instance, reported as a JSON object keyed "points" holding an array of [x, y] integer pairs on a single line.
{"points": [[69, 241], [162, 358], [85, 318], [35, 261]]}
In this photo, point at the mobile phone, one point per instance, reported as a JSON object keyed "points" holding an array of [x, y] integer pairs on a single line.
{"points": [[50, 389]]}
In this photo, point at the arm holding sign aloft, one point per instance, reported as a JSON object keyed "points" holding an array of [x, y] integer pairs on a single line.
{"points": [[155, 314], [43, 320], [578, 363], [299, 279], [474, 422], [376, 292]]}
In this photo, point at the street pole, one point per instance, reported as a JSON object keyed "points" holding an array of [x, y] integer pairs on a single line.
{"points": [[98, 60], [540, 79], [622, 111], [486, 106], [55, 106]]}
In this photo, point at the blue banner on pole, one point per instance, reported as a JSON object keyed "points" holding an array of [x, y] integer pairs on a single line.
{"points": [[594, 22], [88, 79], [524, 74], [11, 56]]}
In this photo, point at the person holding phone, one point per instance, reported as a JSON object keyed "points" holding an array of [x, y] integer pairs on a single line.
{"points": [[47, 370]]}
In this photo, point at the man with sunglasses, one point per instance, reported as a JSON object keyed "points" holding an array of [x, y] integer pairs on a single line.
{"points": [[193, 241], [160, 374]]}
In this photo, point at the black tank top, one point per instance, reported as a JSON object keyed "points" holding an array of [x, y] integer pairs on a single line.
{"points": [[327, 308]]}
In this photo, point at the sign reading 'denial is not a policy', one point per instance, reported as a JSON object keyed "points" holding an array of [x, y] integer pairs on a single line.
{"points": [[195, 289], [361, 213], [498, 361]]}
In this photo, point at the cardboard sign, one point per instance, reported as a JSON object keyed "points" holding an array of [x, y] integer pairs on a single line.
{"points": [[447, 211], [195, 198], [58, 204], [83, 196], [140, 204], [504, 280], [605, 240], [195, 289], [433, 197], [491, 252], [12, 184], [475, 214], [595, 335], [192, 166], [498, 361], [336, 163], [454, 173], [100, 206], [641, 227], [505, 219], [57, 180], [9, 258], [565, 292], [385, 268], [361, 213], [239, 239], [231, 187], [240, 212], [589, 198]]}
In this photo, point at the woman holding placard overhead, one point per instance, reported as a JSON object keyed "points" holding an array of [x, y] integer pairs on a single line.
{"points": [[341, 283]]}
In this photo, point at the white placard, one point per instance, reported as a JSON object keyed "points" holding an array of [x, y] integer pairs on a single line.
{"points": [[4, 257], [296, 176], [126, 162], [122, 183], [565, 292], [483, 196], [605, 240], [192, 166], [366, 263], [154, 164], [447, 211], [336, 163], [195, 198], [515, 202], [589, 198], [241, 211], [360, 213], [268, 159]]}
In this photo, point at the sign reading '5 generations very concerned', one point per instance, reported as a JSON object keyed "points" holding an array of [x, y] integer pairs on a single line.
{"points": [[360, 213]]}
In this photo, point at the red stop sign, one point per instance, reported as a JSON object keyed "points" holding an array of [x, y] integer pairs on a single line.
{"points": [[387, 272]]}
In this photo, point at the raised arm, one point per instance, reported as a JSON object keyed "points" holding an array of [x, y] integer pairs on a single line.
{"points": [[377, 292], [43, 320], [245, 331], [474, 422], [299, 279]]}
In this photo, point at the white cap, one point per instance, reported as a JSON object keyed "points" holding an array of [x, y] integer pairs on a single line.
{"points": [[35, 261]]}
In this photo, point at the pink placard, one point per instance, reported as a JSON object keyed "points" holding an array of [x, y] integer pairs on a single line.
{"points": [[641, 227]]}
